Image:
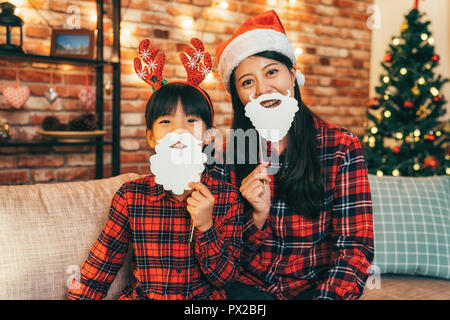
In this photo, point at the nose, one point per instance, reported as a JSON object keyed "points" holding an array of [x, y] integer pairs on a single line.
{"points": [[262, 87]]}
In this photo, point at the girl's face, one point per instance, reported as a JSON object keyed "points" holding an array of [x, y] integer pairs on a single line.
{"points": [[177, 122], [258, 75]]}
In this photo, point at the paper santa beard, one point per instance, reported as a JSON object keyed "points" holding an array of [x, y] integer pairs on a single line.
{"points": [[272, 114], [178, 160]]}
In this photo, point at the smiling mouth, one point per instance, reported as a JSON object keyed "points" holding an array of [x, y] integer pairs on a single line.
{"points": [[271, 103], [178, 145]]}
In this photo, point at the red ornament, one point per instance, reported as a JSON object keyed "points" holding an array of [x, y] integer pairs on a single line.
{"points": [[435, 58], [396, 149], [408, 104], [430, 137], [388, 58], [436, 99], [431, 161]]}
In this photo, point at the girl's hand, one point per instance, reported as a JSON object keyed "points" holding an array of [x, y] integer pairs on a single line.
{"points": [[200, 206], [256, 190]]}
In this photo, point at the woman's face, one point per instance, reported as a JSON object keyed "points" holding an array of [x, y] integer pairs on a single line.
{"points": [[258, 75]]}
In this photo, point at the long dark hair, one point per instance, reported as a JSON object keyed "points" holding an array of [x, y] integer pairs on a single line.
{"points": [[164, 102], [302, 182]]}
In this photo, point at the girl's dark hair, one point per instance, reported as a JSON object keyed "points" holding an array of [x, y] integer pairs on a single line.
{"points": [[164, 102], [302, 182]]}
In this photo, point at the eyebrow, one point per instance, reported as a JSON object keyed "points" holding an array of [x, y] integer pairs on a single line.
{"points": [[247, 74]]}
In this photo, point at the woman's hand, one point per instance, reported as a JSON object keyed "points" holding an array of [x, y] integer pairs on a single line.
{"points": [[256, 190], [200, 206]]}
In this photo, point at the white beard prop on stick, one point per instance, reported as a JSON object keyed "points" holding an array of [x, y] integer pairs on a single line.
{"points": [[272, 114], [178, 160]]}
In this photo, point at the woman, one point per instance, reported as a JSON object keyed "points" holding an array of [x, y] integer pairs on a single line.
{"points": [[308, 229]]}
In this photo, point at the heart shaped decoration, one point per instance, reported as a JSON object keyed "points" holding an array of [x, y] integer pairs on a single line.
{"points": [[51, 95], [87, 98], [16, 96]]}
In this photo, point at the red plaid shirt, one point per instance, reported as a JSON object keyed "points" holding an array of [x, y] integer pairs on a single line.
{"points": [[330, 253], [166, 264]]}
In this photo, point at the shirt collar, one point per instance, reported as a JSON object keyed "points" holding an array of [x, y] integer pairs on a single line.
{"points": [[157, 191]]}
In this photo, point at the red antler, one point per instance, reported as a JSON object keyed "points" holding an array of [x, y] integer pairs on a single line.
{"points": [[154, 62], [196, 71]]}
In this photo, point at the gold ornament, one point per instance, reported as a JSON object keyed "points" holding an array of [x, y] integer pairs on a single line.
{"points": [[415, 91], [423, 112], [404, 26]]}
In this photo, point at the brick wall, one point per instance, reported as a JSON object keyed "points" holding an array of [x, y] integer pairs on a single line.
{"points": [[335, 59]]}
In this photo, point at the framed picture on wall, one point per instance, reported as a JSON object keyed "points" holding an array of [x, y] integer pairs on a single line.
{"points": [[76, 43]]}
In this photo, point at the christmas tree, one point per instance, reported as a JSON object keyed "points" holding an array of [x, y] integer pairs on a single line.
{"points": [[404, 136]]}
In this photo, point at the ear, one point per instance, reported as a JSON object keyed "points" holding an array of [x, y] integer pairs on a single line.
{"points": [[150, 138], [209, 135], [293, 73]]}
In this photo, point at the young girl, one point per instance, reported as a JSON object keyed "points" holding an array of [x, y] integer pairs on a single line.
{"points": [[158, 223], [308, 230]]}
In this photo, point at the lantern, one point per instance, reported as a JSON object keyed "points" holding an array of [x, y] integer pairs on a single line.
{"points": [[10, 21]]}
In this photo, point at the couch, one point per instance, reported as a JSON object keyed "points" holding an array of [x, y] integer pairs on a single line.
{"points": [[47, 230]]}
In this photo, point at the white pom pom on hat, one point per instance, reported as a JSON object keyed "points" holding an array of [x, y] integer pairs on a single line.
{"points": [[260, 33]]}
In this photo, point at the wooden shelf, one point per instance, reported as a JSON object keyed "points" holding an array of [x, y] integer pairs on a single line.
{"points": [[51, 59], [49, 143]]}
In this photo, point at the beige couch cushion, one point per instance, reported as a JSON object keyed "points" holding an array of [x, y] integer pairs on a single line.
{"points": [[46, 232]]}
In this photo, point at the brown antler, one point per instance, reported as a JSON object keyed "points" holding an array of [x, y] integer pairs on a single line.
{"points": [[196, 71], [154, 62]]}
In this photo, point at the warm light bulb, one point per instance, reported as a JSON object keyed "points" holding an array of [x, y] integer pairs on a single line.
{"points": [[434, 91], [187, 23], [416, 167], [424, 36], [396, 41], [386, 79], [380, 173], [447, 171], [374, 130], [417, 133], [298, 50], [386, 97], [399, 135], [403, 71], [372, 140], [438, 133], [431, 40], [223, 4], [387, 114], [395, 173]]}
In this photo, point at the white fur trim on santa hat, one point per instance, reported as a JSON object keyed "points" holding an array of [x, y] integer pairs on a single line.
{"points": [[300, 78], [250, 43]]}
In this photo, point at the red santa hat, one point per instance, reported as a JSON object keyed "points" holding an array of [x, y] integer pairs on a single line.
{"points": [[256, 34]]}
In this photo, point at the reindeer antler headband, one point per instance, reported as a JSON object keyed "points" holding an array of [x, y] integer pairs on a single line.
{"points": [[191, 60]]}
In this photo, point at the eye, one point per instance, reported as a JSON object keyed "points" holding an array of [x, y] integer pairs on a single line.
{"points": [[246, 83], [272, 72], [192, 120], [164, 121]]}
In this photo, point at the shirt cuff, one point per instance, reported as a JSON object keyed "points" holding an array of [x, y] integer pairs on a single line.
{"points": [[255, 237]]}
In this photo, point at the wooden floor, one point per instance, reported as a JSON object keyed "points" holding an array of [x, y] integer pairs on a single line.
{"points": [[396, 287]]}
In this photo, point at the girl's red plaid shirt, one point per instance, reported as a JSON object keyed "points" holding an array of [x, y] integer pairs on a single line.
{"points": [[166, 265]]}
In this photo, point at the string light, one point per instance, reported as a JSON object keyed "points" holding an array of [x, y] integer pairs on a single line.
{"points": [[447, 171], [403, 71], [223, 4], [421, 81], [380, 173], [395, 173], [387, 114], [416, 167], [396, 41], [374, 130], [417, 133], [399, 135], [386, 97], [438, 133], [424, 36], [386, 79], [431, 40], [434, 91]]}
